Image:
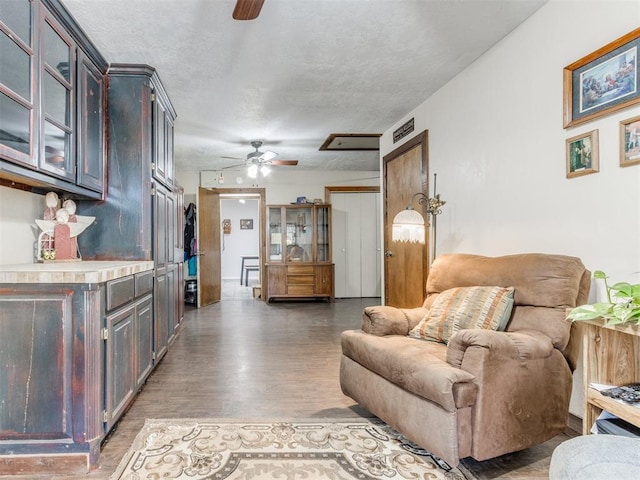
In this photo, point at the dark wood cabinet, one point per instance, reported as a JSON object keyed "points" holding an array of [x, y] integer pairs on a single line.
{"points": [[128, 340], [120, 363], [129, 355], [51, 98], [167, 264], [74, 356], [51, 377], [146, 209], [90, 125], [144, 337], [163, 168]]}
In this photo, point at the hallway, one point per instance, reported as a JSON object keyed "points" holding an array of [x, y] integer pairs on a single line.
{"points": [[243, 359]]}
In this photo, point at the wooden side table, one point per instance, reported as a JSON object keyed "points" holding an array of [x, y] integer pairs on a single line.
{"points": [[611, 356]]}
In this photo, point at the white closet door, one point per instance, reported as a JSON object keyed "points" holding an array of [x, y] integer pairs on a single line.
{"points": [[339, 216], [353, 231], [370, 274], [356, 238]]}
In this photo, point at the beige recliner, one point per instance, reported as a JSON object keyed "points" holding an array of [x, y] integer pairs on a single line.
{"points": [[486, 392]]}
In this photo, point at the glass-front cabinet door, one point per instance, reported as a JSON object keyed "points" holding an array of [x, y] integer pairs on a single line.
{"points": [[299, 234], [57, 79], [17, 91], [323, 234], [275, 234]]}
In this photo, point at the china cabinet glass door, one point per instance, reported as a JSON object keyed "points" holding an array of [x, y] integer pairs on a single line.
{"points": [[322, 239], [299, 234], [275, 234]]}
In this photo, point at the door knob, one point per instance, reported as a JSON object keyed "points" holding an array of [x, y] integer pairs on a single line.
{"points": [[388, 253]]}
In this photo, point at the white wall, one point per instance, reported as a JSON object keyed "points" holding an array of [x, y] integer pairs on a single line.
{"points": [[239, 242], [19, 209], [18, 231], [497, 143], [284, 186]]}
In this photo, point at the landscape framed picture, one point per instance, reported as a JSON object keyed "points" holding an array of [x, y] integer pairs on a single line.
{"points": [[602, 82], [246, 224], [582, 154], [630, 142]]}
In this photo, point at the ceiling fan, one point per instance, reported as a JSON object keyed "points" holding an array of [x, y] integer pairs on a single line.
{"points": [[260, 161], [247, 9]]}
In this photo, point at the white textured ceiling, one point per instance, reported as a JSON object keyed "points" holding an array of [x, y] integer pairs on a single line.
{"points": [[302, 70]]}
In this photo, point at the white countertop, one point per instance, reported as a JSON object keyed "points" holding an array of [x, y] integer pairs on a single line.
{"points": [[71, 272]]}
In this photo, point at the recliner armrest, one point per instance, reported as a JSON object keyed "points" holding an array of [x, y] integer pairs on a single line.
{"points": [[522, 345], [383, 320]]}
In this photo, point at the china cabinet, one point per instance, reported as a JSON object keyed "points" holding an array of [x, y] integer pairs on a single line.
{"points": [[299, 252]]}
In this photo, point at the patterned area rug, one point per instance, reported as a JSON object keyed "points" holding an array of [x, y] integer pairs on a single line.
{"points": [[199, 449]]}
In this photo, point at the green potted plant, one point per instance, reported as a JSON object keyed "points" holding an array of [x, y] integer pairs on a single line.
{"points": [[622, 306]]}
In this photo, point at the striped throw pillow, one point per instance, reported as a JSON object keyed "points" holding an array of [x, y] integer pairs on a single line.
{"points": [[465, 307]]}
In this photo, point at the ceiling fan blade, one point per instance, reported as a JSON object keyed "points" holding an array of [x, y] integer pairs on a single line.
{"points": [[234, 166], [284, 162], [231, 158], [247, 9], [267, 156]]}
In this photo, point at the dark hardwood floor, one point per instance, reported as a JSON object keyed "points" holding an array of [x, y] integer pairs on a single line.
{"points": [[243, 359]]}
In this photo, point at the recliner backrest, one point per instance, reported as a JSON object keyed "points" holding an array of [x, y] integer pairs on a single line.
{"points": [[546, 285]]}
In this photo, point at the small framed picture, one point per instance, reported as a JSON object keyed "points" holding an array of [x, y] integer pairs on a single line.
{"points": [[582, 154], [246, 224], [630, 142]]}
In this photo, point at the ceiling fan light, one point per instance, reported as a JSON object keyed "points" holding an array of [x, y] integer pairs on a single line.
{"points": [[265, 170], [252, 171]]}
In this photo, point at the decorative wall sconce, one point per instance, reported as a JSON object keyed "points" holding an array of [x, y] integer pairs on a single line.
{"points": [[408, 224]]}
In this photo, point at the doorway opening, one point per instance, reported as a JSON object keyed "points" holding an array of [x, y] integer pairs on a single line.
{"points": [[240, 258], [213, 241]]}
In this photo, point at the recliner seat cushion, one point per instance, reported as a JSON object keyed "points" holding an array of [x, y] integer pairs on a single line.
{"points": [[417, 366]]}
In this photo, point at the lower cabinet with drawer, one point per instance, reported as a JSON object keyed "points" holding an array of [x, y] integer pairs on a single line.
{"points": [[129, 341], [73, 358], [306, 280], [128, 337]]}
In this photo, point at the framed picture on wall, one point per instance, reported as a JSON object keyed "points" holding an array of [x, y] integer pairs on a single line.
{"points": [[582, 154], [246, 224], [602, 82], [630, 142]]}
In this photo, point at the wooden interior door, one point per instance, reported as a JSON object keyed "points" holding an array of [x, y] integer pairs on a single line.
{"points": [[209, 271], [406, 265]]}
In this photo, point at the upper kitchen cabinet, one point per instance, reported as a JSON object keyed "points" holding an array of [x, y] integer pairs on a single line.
{"points": [[18, 92], [57, 79], [90, 125], [52, 99], [163, 116], [140, 114]]}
